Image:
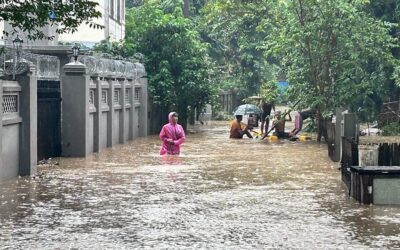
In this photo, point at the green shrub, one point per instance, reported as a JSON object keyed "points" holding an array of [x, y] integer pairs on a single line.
{"points": [[391, 129], [310, 126]]}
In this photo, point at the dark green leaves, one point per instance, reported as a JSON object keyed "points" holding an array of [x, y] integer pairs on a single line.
{"points": [[30, 16], [176, 59]]}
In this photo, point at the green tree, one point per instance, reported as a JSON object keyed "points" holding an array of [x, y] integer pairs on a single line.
{"points": [[269, 91], [176, 60], [30, 16], [333, 52], [231, 29], [389, 12], [115, 49], [133, 3]]}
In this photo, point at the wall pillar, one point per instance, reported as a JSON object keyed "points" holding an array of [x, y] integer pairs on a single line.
{"points": [[1, 123], [350, 126], [132, 111], [75, 110], [28, 131], [97, 116], [111, 113], [143, 115], [129, 109], [338, 136], [122, 116]]}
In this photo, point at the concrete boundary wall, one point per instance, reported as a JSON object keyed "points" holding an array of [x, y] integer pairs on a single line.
{"points": [[10, 129], [103, 105], [18, 126], [101, 111]]}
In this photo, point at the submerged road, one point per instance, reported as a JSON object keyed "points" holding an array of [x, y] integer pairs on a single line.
{"points": [[220, 194]]}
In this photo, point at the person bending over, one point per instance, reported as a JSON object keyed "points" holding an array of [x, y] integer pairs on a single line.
{"points": [[298, 121]]}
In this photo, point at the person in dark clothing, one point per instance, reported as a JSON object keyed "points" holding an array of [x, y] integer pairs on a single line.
{"points": [[236, 129], [266, 108]]}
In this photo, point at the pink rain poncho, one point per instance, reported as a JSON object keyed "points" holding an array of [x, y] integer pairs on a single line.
{"points": [[298, 124], [171, 132]]}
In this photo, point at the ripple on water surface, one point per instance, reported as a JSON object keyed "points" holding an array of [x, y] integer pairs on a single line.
{"points": [[220, 194]]}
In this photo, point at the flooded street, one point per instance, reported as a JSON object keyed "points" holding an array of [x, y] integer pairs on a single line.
{"points": [[220, 194]]}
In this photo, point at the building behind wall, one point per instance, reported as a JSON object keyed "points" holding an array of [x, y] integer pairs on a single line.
{"points": [[113, 20]]}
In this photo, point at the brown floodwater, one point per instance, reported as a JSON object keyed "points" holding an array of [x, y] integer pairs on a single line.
{"points": [[219, 194]]}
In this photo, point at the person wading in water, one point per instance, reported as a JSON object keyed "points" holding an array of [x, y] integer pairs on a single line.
{"points": [[279, 125], [237, 131], [172, 136], [266, 108]]}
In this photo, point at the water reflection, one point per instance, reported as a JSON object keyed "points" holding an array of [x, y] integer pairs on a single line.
{"points": [[219, 193]]}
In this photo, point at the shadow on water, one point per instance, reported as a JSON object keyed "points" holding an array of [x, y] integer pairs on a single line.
{"points": [[219, 193]]}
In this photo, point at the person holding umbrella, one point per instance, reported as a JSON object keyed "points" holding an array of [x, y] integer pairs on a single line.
{"points": [[238, 129]]}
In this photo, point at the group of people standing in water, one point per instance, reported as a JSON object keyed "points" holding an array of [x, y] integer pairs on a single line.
{"points": [[278, 123], [172, 134]]}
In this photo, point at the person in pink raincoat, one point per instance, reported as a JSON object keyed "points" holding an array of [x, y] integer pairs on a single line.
{"points": [[172, 135]]}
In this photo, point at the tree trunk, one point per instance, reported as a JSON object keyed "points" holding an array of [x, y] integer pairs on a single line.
{"points": [[319, 125], [158, 117], [319, 135], [183, 115], [192, 116], [322, 125], [322, 128], [183, 119], [186, 8], [325, 129]]}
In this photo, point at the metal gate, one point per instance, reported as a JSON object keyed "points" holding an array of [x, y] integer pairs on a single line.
{"points": [[49, 119]]}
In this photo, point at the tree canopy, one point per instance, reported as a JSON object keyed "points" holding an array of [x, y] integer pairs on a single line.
{"points": [[176, 59], [231, 28], [333, 53]]}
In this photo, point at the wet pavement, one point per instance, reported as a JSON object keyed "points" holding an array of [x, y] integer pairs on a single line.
{"points": [[220, 194]]}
